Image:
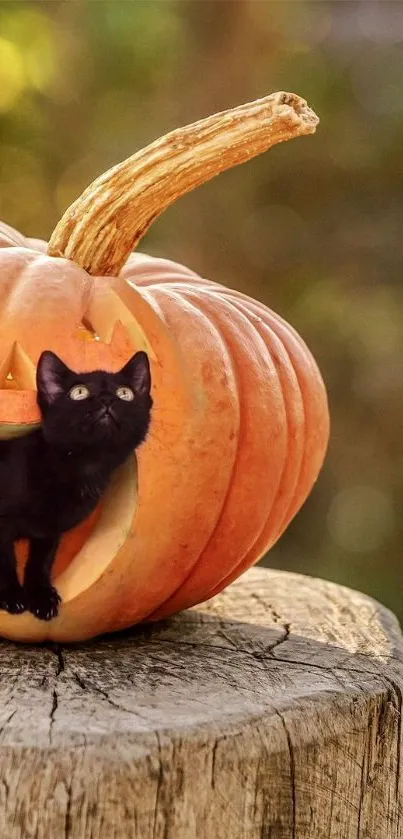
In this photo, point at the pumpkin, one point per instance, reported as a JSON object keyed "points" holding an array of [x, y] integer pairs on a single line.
{"points": [[240, 423]]}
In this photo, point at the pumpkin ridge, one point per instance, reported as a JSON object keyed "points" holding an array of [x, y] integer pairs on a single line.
{"points": [[283, 328], [259, 311], [270, 335], [260, 315], [301, 496], [11, 238], [268, 534], [307, 369], [279, 325], [197, 283], [194, 304], [181, 598], [198, 559], [142, 267]]}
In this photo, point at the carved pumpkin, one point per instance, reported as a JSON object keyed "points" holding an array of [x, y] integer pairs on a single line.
{"points": [[240, 424]]}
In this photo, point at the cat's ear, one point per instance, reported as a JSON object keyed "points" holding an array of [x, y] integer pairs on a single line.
{"points": [[50, 375], [137, 372]]}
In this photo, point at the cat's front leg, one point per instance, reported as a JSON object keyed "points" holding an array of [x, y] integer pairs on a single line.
{"points": [[41, 597], [12, 597]]}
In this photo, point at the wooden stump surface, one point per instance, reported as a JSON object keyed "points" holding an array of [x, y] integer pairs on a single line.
{"points": [[271, 712]]}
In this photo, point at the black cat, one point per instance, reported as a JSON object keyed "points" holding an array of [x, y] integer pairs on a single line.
{"points": [[52, 478]]}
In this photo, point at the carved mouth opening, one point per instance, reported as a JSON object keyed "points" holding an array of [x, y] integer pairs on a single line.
{"points": [[87, 551]]}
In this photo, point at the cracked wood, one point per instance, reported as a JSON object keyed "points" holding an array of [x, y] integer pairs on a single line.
{"points": [[271, 712]]}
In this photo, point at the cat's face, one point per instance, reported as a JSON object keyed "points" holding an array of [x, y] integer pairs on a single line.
{"points": [[89, 410]]}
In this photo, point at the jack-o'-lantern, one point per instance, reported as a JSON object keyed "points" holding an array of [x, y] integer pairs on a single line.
{"points": [[240, 419]]}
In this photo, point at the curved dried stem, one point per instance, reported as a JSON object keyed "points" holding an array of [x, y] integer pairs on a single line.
{"points": [[102, 227]]}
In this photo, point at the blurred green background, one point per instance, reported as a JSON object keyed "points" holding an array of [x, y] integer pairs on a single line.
{"points": [[314, 228]]}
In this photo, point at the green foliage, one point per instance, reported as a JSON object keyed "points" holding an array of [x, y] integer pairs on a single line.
{"points": [[313, 228]]}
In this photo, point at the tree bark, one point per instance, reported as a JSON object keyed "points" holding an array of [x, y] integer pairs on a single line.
{"points": [[271, 712]]}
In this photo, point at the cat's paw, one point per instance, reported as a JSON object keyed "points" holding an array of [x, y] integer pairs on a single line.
{"points": [[43, 601], [12, 599]]}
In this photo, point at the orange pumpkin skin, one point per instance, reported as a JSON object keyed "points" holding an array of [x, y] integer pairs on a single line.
{"points": [[239, 431]]}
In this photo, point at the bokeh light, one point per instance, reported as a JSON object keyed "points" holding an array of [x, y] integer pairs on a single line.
{"points": [[12, 76]]}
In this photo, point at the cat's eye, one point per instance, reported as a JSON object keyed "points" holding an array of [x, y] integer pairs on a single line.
{"points": [[79, 392], [125, 393]]}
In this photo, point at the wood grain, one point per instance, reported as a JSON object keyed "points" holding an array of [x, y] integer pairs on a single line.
{"points": [[272, 712]]}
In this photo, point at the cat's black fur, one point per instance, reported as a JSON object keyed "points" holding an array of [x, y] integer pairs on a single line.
{"points": [[53, 478]]}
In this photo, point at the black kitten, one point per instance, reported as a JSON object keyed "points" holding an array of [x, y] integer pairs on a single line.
{"points": [[53, 478]]}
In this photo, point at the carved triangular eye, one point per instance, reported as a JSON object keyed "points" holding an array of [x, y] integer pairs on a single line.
{"points": [[17, 370], [110, 318]]}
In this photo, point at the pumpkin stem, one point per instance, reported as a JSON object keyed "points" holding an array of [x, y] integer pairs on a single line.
{"points": [[104, 225]]}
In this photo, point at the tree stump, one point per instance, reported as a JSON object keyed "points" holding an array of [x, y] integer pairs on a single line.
{"points": [[271, 712]]}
